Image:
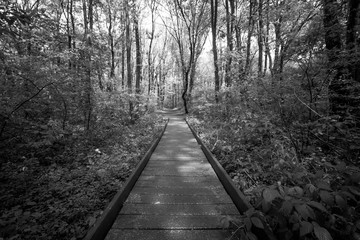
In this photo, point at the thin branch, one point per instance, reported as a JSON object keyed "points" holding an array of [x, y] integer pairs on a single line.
{"points": [[27, 79], [307, 105], [29, 99], [20, 105]]}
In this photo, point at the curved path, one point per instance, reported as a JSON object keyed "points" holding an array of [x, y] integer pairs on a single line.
{"points": [[178, 195]]}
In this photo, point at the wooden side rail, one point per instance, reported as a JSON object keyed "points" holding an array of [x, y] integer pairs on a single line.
{"points": [[239, 199]]}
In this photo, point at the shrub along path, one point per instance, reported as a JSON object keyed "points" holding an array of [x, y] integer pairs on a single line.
{"points": [[178, 195]]}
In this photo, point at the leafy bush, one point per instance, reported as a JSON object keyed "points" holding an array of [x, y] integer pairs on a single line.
{"points": [[63, 198], [300, 177]]}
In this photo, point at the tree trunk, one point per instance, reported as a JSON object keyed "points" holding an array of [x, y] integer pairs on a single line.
{"points": [[128, 58], [184, 93], [68, 29], [260, 38], [249, 36], [277, 51], [333, 46], [229, 39], [150, 64], [88, 27], [214, 7], [123, 50], [185, 74], [111, 41], [138, 56], [351, 44], [279, 47], [73, 30], [268, 58], [150, 67]]}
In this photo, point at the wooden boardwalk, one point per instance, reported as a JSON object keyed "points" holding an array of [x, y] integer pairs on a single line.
{"points": [[177, 196]]}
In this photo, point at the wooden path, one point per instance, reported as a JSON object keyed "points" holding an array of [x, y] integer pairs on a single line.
{"points": [[177, 196]]}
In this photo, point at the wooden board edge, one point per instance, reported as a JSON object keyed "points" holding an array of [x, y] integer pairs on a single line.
{"points": [[105, 222], [235, 194]]}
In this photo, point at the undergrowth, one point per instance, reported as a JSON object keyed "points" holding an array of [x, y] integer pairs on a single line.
{"points": [[299, 187], [57, 186]]}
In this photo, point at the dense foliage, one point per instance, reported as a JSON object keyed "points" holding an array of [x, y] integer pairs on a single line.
{"points": [[63, 199], [297, 182]]}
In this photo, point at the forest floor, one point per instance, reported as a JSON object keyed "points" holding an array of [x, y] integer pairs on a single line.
{"points": [[62, 197]]}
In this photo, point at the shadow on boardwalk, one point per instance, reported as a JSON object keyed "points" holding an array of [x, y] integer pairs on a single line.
{"points": [[178, 195]]}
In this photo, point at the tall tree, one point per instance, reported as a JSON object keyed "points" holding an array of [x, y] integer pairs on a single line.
{"points": [[123, 25], [128, 41], [88, 31], [352, 44], [251, 24], [111, 17], [260, 37], [138, 68], [333, 46], [230, 11], [153, 5], [268, 58], [214, 12], [344, 86], [289, 22], [68, 26], [192, 18], [279, 43]]}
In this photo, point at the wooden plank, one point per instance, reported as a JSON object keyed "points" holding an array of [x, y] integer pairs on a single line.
{"points": [[193, 179], [167, 222], [155, 198], [179, 209], [178, 172], [163, 182], [209, 190], [123, 234], [176, 164]]}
